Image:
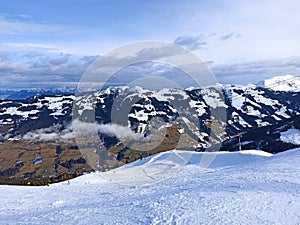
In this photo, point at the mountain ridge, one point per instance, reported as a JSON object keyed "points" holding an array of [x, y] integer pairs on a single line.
{"points": [[111, 124]]}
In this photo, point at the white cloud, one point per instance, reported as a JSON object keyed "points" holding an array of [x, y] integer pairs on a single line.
{"points": [[82, 129], [9, 26], [44, 134], [26, 47], [266, 29], [221, 31], [190, 42], [253, 71], [22, 70]]}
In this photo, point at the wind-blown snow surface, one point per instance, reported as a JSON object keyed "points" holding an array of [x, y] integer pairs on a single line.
{"points": [[239, 188]]}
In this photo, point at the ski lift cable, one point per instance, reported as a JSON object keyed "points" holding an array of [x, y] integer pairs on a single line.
{"points": [[275, 84], [286, 81]]}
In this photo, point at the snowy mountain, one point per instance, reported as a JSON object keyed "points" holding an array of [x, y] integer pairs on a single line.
{"points": [[282, 83], [238, 188], [226, 118], [196, 112], [27, 93]]}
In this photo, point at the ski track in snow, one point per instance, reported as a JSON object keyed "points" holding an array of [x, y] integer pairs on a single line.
{"points": [[263, 191]]}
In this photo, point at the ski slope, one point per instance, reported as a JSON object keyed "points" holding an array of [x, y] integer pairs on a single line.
{"points": [[250, 187], [282, 83]]}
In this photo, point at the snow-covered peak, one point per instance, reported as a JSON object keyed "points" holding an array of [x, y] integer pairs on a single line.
{"points": [[282, 83]]}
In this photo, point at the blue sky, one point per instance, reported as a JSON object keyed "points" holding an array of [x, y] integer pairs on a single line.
{"points": [[51, 43]]}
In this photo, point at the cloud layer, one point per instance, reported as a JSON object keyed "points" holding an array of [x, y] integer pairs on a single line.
{"points": [[81, 129], [23, 70], [245, 72], [232, 34]]}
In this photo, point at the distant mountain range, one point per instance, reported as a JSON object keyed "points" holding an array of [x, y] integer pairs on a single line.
{"points": [[228, 117], [279, 83], [27, 93]]}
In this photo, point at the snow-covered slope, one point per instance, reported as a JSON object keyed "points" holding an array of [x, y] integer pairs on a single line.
{"points": [[261, 190], [282, 83], [291, 136], [164, 165]]}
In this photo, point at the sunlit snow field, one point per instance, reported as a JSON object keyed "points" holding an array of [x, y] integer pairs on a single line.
{"points": [[249, 187]]}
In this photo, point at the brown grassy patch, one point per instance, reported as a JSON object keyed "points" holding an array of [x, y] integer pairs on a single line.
{"points": [[13, 151]]}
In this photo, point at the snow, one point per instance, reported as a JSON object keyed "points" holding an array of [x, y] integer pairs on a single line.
{"points": [[213, 97], [276, 117], [57, 113], [238, 101], [14, 111], [282, 83], [58, 101], [242, 122], [291, 136], [251, 187], [5, 102], [261, 123], [85, 103], [139, 115], [53, 103], [199, 106], [163, 95]]}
